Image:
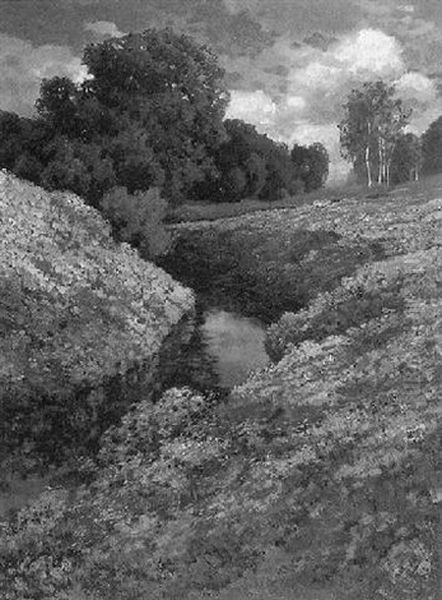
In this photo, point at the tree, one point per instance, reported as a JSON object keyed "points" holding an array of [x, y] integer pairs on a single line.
{"points": [[164, 89], [235, 184], [311, 164], [256, 173], [432, 147], [406, 162], [138, 219], [248, 164], [374, 119]]}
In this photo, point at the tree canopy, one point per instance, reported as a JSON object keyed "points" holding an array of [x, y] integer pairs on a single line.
{"points": [[154, 101], [312, 165], [432, 147], [374, 119], [250, 164], [150, 114], [406, 162]]}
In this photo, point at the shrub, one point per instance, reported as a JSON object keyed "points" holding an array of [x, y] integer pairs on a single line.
{"points": [[138, 219]]}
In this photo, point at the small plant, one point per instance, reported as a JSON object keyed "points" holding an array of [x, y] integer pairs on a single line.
{"points": [[138, 219]]}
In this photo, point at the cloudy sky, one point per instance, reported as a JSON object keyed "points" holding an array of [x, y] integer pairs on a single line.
{"points": [[289, 63]]}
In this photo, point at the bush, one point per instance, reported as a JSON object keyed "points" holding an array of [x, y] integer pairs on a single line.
{"points": [[138, 219]]}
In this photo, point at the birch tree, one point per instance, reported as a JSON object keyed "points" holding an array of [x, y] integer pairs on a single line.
{"points": [[373, 122]]}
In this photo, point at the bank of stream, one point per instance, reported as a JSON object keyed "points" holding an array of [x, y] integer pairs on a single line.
{"points": [[211, 350]]}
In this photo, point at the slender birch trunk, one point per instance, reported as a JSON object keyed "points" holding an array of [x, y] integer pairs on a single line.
{"points": [[368, 166], [380, 162], [367, 157]]}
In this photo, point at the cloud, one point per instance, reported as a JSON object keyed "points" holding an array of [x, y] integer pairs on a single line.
{"points": [[369, 52], [254, 107], [420, 93], [103, 29], [23, 66], [318, 82]]}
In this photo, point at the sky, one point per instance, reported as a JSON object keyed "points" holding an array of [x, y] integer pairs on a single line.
{"points": [[289, 63]]}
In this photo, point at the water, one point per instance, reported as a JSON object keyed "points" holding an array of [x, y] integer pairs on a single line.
{"points": [[212, 352], [235, 343]]}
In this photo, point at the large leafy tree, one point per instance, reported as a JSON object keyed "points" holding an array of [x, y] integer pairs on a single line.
{"points": [[159, 94], [374, 119], [311, 164], [249, 164]]}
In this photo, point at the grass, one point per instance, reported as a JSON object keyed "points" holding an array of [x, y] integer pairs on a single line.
{"points": [[320, 476], [209, 211]]}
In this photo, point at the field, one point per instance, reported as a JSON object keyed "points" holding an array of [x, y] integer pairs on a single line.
{"points": [[320, 476]]}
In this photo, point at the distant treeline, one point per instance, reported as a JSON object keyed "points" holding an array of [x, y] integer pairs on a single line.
{"points": [[151, 114]]}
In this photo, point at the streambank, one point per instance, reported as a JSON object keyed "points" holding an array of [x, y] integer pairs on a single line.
{"points": [[82, 320], [266, 264]]}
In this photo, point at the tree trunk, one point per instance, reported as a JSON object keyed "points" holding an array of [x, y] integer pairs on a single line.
{"points": [[380, 160], [368, 165], [367, 156]]}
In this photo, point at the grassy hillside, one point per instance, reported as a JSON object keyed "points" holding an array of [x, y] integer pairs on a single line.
{"points": [[319, 478], [77, 313], [275, 261]]}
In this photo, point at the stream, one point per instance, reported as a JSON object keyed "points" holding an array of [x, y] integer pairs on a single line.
{"points": [[235, 343], [214, 351]]}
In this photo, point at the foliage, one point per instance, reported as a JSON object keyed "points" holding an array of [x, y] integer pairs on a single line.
{"points": [[374, 119], [148, 114], [432, 147], [157, 87], [311, 165], [407, 159], [250, 164], [138, 219]]}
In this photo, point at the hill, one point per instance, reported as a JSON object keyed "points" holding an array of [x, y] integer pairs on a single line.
{"points": [[78, 313], [318, 478]]}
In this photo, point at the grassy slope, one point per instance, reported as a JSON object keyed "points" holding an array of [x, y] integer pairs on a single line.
{"points": [[276, 261], [75, 307], [321, 476]]}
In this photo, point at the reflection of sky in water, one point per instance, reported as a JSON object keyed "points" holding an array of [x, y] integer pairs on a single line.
{"points": [[237, 344]]}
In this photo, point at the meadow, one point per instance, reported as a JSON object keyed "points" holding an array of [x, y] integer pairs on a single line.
{"points": [[318, 477]]}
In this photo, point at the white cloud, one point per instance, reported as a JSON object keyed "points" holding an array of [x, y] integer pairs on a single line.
{"points": [[318, 83], [23, 66], [103, 29], [369, 52], [416, 86], [255, 107]]}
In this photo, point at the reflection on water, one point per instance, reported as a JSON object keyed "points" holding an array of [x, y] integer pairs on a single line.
{"points": [[211, 352], [214, 351], [236, 343]]}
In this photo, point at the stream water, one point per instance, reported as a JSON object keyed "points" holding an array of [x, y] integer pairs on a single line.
{"points": [[236, 344], [212, 352]]}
